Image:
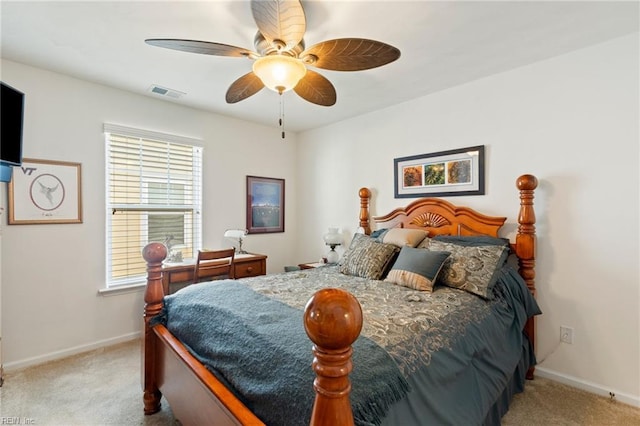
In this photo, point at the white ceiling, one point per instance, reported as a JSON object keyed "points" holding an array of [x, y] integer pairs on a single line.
{"points": [[443, 44]]}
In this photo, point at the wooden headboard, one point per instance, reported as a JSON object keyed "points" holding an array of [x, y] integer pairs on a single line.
{"points": [[440, 217]]}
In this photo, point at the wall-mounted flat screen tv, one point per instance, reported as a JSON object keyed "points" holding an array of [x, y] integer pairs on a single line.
{"points": [[11, 124]]}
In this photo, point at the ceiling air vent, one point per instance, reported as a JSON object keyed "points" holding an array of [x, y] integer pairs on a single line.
{"points": [[163, 91]]}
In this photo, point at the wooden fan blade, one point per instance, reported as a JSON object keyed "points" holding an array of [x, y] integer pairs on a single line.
{"points": [[282, 20], [247, 85], [350, 54], [316, 89], [204, 47]]}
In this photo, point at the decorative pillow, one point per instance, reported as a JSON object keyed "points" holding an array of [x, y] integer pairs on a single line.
{"points": [[474, 269], [404, 237], [367, 258], [378, 234], [464, 240], [417, 268], [355, 241], [424, 244]]}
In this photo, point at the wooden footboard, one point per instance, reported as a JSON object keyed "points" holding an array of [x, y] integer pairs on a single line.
{"points": [[196, 396], [185, 382], [332, 320]]}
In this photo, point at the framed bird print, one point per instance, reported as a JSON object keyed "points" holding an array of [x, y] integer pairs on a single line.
{"points": [[45, 191]]}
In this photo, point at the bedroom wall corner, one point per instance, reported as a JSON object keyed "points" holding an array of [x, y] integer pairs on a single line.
{"points": [[55, 309], [570, 120]]}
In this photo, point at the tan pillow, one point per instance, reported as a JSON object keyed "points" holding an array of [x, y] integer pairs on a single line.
{"points": [[404, 237]]}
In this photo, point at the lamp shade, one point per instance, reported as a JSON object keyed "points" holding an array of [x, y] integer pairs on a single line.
{"points": [[279, 73], [235, 233], [332, 237]]}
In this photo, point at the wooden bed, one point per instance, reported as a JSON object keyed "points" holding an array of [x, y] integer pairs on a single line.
{"points": [[197, 397]]}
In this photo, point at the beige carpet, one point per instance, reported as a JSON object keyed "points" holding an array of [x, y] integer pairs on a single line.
{"points": [[102, 387], [546, 402]]}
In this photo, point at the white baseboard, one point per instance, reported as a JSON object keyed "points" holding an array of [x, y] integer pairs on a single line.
{"points": [[29, 362], [587, 386]]}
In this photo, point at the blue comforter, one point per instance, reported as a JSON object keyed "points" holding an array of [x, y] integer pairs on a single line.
{"points": [[258, 346], [448, 357]]}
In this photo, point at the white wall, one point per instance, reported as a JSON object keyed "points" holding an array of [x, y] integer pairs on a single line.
{"points": [[573, 122], [51, 274]]}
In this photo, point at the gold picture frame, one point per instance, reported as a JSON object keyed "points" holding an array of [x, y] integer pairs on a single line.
{"points": [[45, 191]]}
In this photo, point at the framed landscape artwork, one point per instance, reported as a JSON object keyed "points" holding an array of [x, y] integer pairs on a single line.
{"points": [[265, 205], [440, 174]]}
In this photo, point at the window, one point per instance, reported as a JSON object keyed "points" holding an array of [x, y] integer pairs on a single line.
{"points": [[154, 186]]}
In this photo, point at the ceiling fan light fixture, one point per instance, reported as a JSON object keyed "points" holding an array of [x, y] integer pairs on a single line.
{"points": [[279, 73], [281, 57]]}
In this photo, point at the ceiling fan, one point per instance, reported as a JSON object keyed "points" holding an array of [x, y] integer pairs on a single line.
{"points": [[280, 56]]}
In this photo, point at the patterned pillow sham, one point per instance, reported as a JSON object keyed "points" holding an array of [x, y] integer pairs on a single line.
{"points": [[467, 240], [417, 268], [367, 258], [474, 269], [424, 244]]}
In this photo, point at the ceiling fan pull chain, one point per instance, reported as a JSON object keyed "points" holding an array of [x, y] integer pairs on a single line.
{"points": [[281, 121]]}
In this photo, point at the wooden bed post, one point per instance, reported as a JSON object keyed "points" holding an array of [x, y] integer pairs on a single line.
{"points": [[526, 246], [333, 321], [365, 196], [154, 254]]}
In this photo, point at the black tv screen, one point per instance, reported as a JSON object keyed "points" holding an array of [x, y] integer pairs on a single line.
{"points": [[11, 123]]}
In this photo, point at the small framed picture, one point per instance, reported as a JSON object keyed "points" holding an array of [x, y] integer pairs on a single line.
{"points": [[265, 205], [45, 191]]}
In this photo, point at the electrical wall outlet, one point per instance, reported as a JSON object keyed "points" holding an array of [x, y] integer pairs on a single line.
{"points": [[566, 334]]}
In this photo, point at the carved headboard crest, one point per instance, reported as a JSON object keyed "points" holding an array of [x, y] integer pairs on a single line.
{"points": [[430, 220]]}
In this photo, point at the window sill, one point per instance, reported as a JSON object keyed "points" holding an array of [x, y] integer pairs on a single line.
{"points": [[122, 289]]}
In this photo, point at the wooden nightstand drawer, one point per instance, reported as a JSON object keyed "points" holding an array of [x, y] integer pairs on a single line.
{"points": [[251, 267]]}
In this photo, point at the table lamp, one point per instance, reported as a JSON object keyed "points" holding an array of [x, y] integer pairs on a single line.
{"points": [[332, 239], [237, 234]]}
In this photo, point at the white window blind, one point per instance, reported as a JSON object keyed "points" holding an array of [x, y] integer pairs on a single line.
{"points": [[154, 186]]}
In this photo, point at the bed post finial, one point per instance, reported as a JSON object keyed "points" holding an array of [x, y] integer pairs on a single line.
{"points": [[526, 237], [333, 321], [526, 246], [153, 254], [365, 196]]}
